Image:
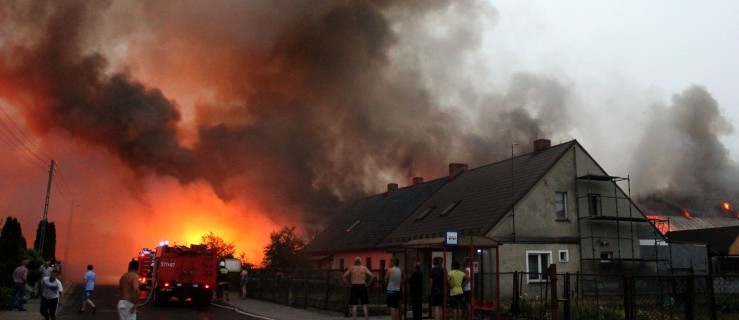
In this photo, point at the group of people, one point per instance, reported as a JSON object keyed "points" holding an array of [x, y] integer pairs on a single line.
{"points": [[457, 281], [50, 289], [224, 281]]}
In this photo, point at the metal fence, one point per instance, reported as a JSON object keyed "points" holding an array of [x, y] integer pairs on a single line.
{"points": [[314, 289], [577, 296], [629, 297]]}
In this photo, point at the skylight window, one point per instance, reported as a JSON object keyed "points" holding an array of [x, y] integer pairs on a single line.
{"points": [[450, 208], [352, 226], [426, 212]]}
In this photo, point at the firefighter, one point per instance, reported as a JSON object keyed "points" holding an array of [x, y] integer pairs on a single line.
{"points": [[222, 281]]}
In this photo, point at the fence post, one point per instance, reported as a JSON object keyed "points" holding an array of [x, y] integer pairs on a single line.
{"points": [[552, 270], [516, 295], [566, 297], [689, 296], [711, 298], [328, 289], [628, 307]]}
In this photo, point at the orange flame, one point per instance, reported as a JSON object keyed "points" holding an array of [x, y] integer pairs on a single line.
{"points": [[686, 213], [659, 222], [727, 206]]}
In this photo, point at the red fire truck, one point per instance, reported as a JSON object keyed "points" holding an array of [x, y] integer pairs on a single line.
{"points": [[179, 272], [146, 267]]}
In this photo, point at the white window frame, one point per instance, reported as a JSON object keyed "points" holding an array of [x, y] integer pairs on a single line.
{"points": [[532, 276], [566, 256], [559, 195]]}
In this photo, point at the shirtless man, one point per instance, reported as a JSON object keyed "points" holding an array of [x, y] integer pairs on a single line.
{"points": [[357, 275], [129, 285]]}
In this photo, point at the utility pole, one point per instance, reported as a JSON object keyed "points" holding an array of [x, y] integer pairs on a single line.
{"points": [[45, 221]]}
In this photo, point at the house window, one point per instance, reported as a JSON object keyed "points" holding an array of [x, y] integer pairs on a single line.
{"points": [[425, 212], [449, 208], [594, 204], [369, 263], [606, 256], [560, 204], [564, 256], [341, 263], [382, 264], [536, 265]]}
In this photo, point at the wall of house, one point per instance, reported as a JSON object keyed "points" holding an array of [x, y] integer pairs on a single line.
{"points": [[515, 257], [377, 260], [601, 238], [734, 248], [537, 226]]}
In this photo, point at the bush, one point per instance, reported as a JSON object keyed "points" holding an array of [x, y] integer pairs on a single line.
{"points": [[4, 296]]}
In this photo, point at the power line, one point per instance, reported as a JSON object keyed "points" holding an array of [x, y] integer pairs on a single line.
{"points": [[61, 182], [26, 137], [18, 140]]}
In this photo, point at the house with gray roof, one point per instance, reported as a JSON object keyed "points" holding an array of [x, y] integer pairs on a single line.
{"points": [[553, 205]]}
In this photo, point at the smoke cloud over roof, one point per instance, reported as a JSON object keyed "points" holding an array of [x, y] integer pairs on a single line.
{"points": [[259, 114], [682, 159]]}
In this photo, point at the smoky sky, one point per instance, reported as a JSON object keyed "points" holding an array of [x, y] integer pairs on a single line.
{"points": [[681, 159], [314, 108], [304, 105]]}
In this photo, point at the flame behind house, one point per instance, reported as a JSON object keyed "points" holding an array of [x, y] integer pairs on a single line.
{"points": [[246, 116]]}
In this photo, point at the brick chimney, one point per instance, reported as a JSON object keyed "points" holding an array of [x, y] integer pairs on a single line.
{"points": [[392, 187], [417, 180], [541, 144], [456, 169]]}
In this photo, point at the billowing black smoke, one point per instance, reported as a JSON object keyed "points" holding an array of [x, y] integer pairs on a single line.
{"points": [[682, 160], [308, 107]]}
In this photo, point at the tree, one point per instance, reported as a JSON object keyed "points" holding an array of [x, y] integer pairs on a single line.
{"points": [[285, 252], [12, 249], [222, 248], [49, 240]]}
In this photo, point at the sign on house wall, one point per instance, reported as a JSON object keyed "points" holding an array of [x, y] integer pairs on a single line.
{"points": [[452, 238]]}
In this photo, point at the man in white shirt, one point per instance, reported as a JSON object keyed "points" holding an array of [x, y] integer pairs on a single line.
{"points": [[51, 295]]}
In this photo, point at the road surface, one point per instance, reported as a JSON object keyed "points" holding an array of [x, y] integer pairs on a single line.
{"points": [[106, 299]]}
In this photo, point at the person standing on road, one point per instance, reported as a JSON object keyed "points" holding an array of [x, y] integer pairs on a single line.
{"points": [[17, 297], [357, 275], [129, 286], [467, 309], [394, 279], [457, 279], [222, 278], [244, 281], [416, 285], [45, 270], [51, 293], [89, 287], [437, 283]]}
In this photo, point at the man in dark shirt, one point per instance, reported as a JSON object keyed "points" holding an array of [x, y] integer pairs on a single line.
{"points": [[416, 285], [438, 283]]}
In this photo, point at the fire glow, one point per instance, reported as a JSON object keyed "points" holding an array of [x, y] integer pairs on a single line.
{"points": [[659, 222]]}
